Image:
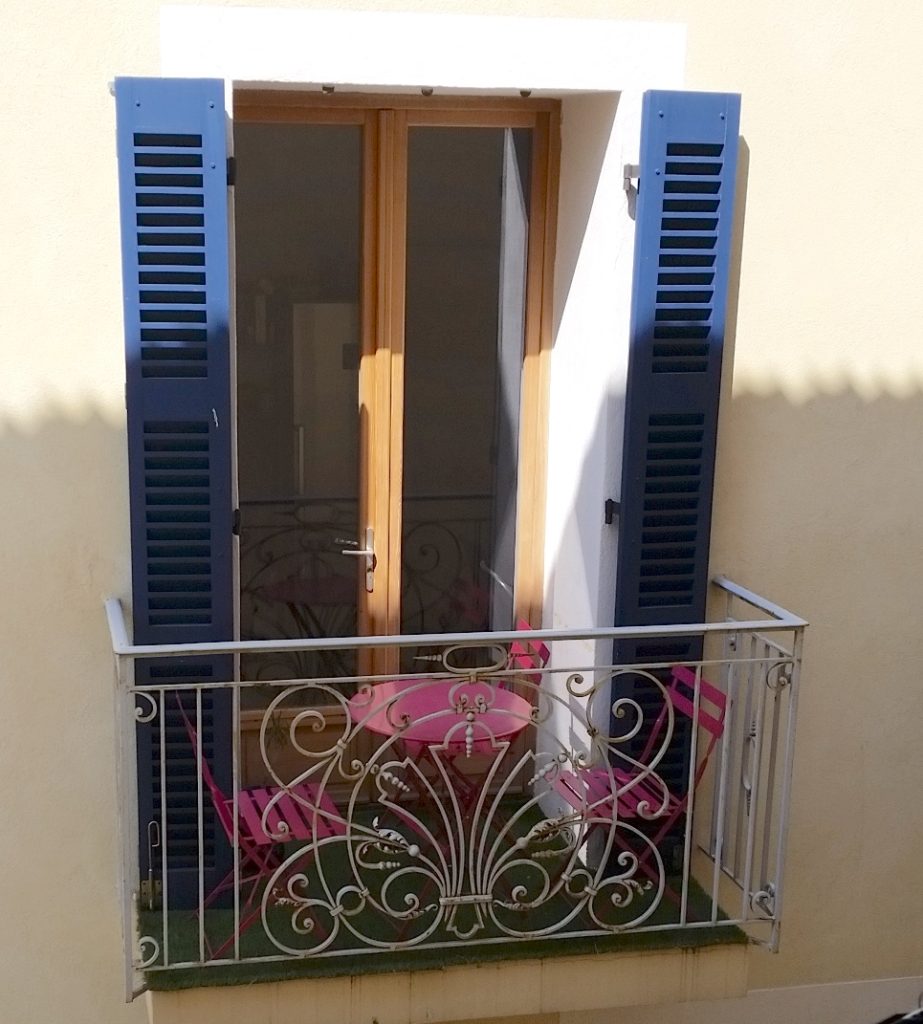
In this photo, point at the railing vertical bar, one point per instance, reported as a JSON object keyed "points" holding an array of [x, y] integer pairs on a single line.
{"points": [[690, 794], [732, 734], [235, 800], [129, 834], [745, 786], [743, 734], [164, 835], [755, 782], [713, 820], [718, 817], [200, 812], [728, 596], [770, 796], [787, 767]]}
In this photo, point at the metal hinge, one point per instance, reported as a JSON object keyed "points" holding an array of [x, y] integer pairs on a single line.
{"points": [[631, 173], [151, 892], [612, 509], [235, 523], [232, 172]]}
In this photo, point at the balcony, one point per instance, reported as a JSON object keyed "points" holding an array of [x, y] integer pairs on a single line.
{"points": [[462, 798]]}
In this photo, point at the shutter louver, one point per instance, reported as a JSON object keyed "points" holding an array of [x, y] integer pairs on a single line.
{"points": [[172, 149], [178, 531], [684, 219], [170, 220]]}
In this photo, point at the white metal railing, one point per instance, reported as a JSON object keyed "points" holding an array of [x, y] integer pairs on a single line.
{"points": [[491, 798]]}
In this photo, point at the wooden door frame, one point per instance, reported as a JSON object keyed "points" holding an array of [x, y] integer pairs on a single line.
{"points": [[385, 121]]}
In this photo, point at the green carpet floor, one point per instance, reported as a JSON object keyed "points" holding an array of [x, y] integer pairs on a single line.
{"points": [[490, 943]]}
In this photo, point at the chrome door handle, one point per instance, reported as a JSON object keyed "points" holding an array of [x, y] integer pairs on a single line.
{"points": [[368, 553]]}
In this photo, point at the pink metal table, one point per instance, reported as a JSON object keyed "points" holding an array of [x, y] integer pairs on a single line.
{"points": [[454, 718], [463, 718]]}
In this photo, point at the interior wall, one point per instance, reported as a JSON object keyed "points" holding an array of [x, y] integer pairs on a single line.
{"points": [[297, 211]]}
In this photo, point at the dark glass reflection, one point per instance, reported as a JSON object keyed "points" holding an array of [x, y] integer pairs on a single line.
{"points": [[467, 227], [298, 230]]}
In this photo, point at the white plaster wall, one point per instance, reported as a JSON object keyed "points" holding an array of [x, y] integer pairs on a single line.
{"points": [[586, 409], [404, 50], [590, 355]]}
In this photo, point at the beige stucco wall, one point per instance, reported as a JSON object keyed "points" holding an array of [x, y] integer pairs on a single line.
{"points": [[820, 487]]}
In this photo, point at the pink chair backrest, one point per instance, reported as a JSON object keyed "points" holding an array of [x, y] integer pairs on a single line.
{"points": [[712, 702], [220, 802], [528, 655]]}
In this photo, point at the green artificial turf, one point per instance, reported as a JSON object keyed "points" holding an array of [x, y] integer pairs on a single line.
{"points": [[386, 962], [343, 959]]}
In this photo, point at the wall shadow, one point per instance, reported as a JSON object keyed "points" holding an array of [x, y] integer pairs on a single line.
{"points": [[63, 549]]}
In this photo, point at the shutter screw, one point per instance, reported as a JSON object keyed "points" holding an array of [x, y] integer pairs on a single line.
{"points": [[657, 172], [721, 116], [211, 104], [660, 113], [427, 90], [212, 166], [137, 103]]}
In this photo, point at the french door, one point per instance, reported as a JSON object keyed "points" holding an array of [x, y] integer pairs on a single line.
{"points": [[393, 278]]}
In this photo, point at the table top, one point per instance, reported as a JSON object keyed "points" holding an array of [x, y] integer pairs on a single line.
{"points": [[465, 717]]}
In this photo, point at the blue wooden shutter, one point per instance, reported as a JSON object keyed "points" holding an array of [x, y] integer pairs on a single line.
{"points": [[172, 154], [684, 220]]}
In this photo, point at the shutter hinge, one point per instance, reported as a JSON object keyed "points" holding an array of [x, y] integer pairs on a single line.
{"points": [[235, 523], [151, 893], [631, 173], [612, 510], [232, 172]]}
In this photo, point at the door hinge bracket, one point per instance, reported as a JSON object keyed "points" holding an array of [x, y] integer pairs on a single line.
{"points": [[235, 523], [612, 508], [232, 172]]}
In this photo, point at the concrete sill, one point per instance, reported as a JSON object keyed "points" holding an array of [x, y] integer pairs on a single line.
{"points": [[546, 984]]}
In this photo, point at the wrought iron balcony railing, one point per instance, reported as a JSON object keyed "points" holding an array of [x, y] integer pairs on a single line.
{"points": [[519, 787]]}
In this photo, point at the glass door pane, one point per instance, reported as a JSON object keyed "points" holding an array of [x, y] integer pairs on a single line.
{"points": [[298, 208], [467, 234]]}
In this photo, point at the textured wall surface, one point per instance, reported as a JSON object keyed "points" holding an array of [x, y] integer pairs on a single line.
{"points": [[819, 480]]}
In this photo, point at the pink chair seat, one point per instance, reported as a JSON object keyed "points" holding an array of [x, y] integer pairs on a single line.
{"points": [[641, 793]]}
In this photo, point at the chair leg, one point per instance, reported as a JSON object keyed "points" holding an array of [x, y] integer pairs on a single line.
{"points": [[260, 866], [265, 866], [244, 924]]}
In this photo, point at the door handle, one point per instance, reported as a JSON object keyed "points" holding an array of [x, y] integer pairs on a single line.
{"points": [[368, 553]]}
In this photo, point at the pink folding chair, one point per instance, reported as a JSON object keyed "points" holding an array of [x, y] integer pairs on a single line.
{"points": [[297, 813], [644, 795], [528, 657]]}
